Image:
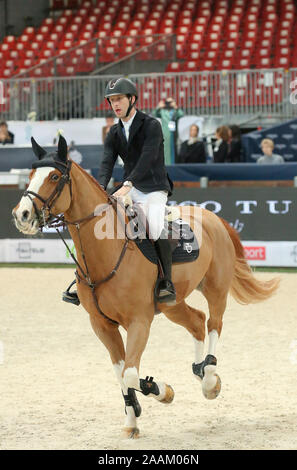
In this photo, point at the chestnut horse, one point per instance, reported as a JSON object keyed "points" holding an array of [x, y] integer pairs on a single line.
{"points": [[115, 281]]}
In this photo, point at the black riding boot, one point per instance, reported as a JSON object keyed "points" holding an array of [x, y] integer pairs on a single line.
{"points": [[165, 288], [71, 297]]}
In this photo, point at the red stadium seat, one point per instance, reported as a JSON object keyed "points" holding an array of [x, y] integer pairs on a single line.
{"points": [[190, 66], [107, 55], [26, 63], [68, 71], [4, 55], [39, 72], [225, 64], [282, 62], [207, 64], [48, 22], [46, 54], [125, 50], [174, 67], [29, 31], [9, 40]]}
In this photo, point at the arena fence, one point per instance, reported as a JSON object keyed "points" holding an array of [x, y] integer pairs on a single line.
{"points": [[277, 245], [265, 92]]}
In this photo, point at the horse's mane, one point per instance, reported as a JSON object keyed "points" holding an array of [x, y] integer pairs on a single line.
{"points": [[90, 177]]}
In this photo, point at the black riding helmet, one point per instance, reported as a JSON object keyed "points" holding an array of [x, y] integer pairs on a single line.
{"points": [[122, 86]]}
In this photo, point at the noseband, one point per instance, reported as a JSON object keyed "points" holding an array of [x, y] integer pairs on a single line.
{"points": [[49, 202]]}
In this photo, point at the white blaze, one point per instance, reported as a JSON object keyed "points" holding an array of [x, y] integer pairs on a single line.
{"points": [[35, 184], [26, 204]]}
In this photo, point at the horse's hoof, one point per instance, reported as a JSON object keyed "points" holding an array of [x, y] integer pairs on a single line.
{"points": [[130, 433], [169, 395], [212, 393]]}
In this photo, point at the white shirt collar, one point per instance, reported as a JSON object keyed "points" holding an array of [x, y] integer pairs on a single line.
{"points": [[127, 125]]}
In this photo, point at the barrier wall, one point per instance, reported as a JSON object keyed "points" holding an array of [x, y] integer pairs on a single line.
{"points": [[225, 172], [264, 217], [22, 157], [90, 156]]}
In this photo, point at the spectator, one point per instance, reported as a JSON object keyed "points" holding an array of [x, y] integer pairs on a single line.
{"points": [[220, 151], [234, 153], [6, 137], [267, 146], [169, 114], [192, 150], [109, 121]]}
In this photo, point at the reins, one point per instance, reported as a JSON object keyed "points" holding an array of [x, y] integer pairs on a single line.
{"points": [[58, 221], [85, 275]]}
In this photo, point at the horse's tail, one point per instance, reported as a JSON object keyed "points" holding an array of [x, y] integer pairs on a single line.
{"points": [[245, 288]]}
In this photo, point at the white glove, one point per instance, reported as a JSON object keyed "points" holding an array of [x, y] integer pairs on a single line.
{"points": [[127, 200]]}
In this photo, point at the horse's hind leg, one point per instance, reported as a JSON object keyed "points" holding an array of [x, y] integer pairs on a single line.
{"points": [[194, 321], [206, 370]]}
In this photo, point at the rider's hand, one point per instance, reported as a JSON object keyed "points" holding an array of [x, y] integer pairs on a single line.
{"points": [[123, 195]]}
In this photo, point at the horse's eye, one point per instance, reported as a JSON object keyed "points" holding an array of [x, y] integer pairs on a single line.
{"points": [[54, 177]]}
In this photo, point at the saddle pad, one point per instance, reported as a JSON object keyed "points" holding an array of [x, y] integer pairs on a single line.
{"points": [[185, 250]]}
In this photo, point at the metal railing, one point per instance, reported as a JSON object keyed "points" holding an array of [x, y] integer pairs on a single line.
{"points": [[267, 92]]}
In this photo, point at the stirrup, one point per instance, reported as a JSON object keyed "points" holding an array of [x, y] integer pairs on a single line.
{"points": [[165, 294], [71, 297]]}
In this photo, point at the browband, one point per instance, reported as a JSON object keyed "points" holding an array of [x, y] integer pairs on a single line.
{"points": [[50, 161]]}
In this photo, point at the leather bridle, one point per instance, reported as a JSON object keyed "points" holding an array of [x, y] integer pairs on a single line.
{"points": [[44, 213]]}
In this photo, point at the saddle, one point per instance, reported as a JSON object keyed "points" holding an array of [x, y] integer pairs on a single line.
{"points": [[184, 244], [183, 241]]}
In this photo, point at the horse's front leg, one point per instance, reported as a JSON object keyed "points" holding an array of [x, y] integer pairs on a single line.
{"points": [[112, 339], [132, 407], [137, 336]]}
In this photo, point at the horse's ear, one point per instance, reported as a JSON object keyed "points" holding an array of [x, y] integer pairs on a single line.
{"points": [[62, 149], [39, 151]]}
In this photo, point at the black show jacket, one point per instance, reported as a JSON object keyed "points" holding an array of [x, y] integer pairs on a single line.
{"points": [[143, 155]]}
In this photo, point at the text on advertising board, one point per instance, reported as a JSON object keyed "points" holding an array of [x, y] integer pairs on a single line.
{"points": [[255, 252]]}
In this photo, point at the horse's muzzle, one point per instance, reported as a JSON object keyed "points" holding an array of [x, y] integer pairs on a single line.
{"points": [[25, 223]]}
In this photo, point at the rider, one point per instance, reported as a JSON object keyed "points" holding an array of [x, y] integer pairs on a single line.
{"points": [[137, 138]]}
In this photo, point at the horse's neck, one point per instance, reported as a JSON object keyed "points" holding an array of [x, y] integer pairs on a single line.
{"points": [[86, 195], [86, 199]]}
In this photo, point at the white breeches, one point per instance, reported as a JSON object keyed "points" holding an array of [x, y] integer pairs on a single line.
{"points": [[153, 205]]}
